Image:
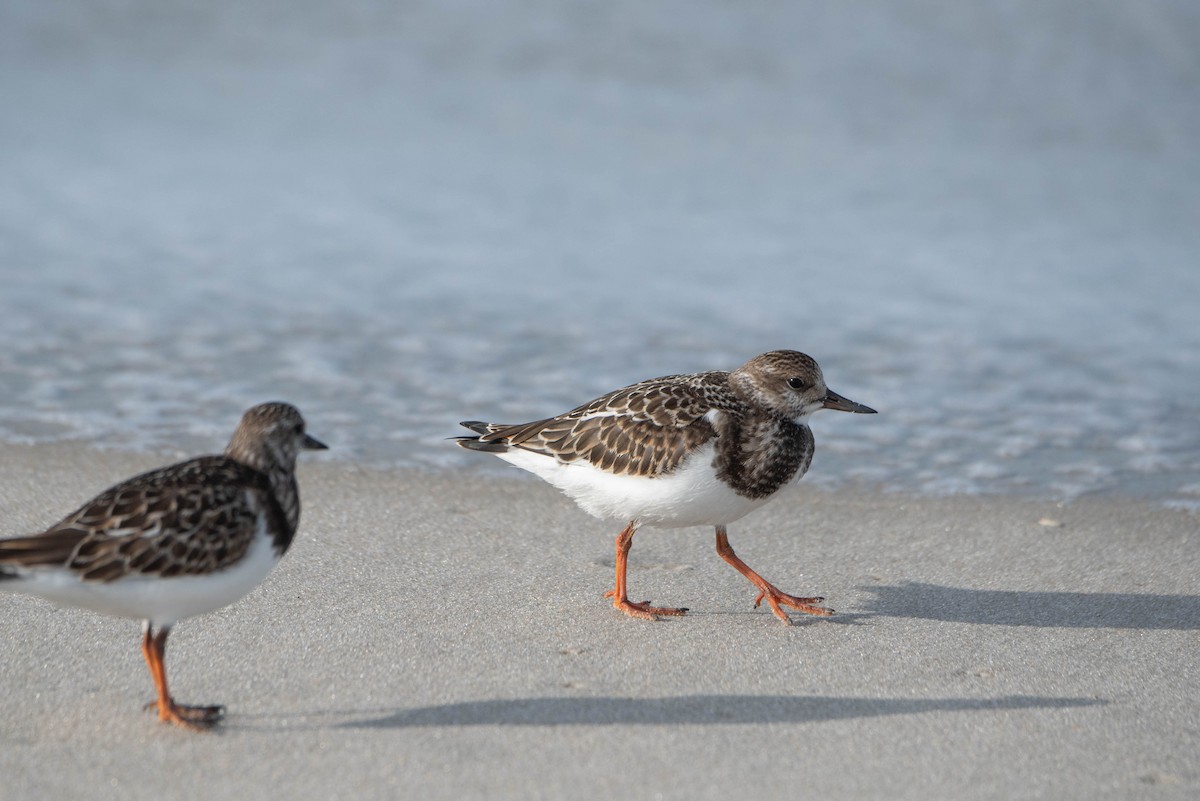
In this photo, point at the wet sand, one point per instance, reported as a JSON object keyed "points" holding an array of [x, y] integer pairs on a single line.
{"points": [[443, 635]]}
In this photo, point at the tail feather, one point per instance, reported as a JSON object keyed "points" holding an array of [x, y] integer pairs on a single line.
{"points": [[51, 548], [481, 443], [477, 444]]}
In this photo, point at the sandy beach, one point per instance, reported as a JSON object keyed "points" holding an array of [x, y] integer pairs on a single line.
{"points": [[443, 635], [978, 217]]}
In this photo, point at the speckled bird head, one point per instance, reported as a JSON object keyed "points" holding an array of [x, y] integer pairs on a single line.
{"points": [[269, 438], [789, 384]]}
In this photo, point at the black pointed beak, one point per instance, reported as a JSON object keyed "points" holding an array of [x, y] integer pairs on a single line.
{"points": [[313, 444], [836, 401]]}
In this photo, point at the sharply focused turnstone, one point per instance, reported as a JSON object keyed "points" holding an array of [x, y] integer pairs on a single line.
{"points": [[682, 450], [174, 542]]}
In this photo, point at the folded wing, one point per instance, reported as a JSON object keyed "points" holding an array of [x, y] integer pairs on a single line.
{"points": [[164, 523], [648, 428]]}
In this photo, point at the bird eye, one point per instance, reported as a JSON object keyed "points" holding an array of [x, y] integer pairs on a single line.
{"points": [[797, 383]]}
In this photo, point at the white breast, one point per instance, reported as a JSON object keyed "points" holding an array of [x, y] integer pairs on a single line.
{"points": [[690, 496]]}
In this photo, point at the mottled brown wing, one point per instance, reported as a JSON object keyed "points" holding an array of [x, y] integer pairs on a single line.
{"points": [[646, 429], [186, 519]]}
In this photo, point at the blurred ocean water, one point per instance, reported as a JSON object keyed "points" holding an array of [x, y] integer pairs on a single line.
{"points": [[982, 221]]}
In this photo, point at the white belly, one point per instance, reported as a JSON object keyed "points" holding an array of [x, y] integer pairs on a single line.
{"points": [[162, 601], [690, 496]]}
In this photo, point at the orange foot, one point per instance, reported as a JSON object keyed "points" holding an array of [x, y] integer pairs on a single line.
{"points": [[193, 718], [643, 610], [776, 597]]}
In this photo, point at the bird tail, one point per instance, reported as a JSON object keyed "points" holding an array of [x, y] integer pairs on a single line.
{"points": [[54, 547], [480, 443]]}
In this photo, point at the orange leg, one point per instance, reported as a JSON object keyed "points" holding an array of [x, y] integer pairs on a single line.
{"points": [[620, 600], [765, 588], [196, 718]]}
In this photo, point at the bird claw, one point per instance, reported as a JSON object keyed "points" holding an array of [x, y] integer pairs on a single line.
{"points": [[195, 718], [643, 609], [806, 605]]}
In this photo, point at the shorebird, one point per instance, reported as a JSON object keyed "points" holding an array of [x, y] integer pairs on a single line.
{"points": [[175, 542], [682, 450]]}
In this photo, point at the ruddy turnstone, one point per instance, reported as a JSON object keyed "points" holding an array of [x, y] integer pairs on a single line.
{"points": [[682, 450], [174, 542]]}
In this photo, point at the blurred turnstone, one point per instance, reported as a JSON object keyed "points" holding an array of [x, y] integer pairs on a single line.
{"points": [[174, 542], [682, 450]]}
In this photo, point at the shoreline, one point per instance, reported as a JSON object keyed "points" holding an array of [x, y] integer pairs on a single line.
{"points": [[445, 634], [116, 459]]}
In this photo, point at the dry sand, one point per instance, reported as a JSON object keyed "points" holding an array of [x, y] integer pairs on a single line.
{"points": [[444, 636]]}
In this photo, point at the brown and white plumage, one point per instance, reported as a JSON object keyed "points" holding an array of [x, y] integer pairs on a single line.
{"points": [[681, 450], [174, 542]]}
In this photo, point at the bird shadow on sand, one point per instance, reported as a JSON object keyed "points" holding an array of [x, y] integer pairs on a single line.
{"points": [[798, 619], [692, 710], [1047, 609]]}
